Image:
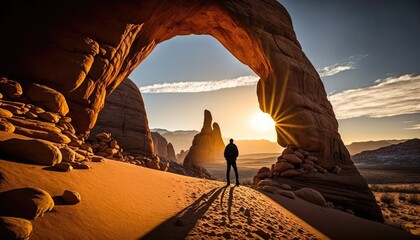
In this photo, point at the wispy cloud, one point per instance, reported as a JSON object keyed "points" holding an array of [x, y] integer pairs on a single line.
{"points": [[348, 64], [203, 86], [387, 97], [414, 127]]}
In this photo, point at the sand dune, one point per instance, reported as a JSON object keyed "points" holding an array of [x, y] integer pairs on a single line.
{"points": [[124, 201]]}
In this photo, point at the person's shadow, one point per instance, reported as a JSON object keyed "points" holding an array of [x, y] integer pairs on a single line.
{"points": [[178, 226], [230, 203]]}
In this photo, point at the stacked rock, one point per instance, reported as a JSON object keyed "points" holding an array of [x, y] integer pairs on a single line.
{"points": [[104, 145], [292, 162], [34, 127]]}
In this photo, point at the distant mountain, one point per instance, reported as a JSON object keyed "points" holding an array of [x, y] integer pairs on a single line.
{"points": [[180, 139], [406, 154], [357, 147]]}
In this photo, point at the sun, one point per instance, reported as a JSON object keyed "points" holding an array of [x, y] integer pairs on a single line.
{"points": [[263, 122]]}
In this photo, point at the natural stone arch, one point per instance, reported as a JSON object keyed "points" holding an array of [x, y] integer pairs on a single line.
{"points": [[85, 50]]}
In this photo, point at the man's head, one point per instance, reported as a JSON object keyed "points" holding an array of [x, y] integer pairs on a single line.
{"points": [[231, 140]]}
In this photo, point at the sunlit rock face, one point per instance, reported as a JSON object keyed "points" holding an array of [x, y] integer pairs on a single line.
{"points": [[84, 50], [207, 146], [162, 148], [124, 116]]}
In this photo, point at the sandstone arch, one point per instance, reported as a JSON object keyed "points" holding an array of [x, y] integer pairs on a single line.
{"points": [[85, 50]]}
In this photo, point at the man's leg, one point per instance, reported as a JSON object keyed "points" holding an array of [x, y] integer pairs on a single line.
{"points": [[228, 172], [236, 172]]}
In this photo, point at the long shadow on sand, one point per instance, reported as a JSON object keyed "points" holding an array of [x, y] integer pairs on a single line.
{"points": [[178, 226]]}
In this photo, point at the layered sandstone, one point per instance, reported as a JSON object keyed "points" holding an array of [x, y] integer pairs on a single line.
{"points": [[207, 146], [83, 51], [124, 116], [162, 148]]}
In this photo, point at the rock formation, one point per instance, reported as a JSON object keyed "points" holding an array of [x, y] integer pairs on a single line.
{"points": [[80, 52], [181, 156], [162, 148], [124, 116], [207, 146]]}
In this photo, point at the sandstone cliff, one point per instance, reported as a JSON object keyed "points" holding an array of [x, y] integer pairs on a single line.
{"points": [[162, 148], [83, 51], [124, 116], [207, 146]]}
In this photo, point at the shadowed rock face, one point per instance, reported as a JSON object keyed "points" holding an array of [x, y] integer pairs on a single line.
{"points": [[84, 50], [162, 148], [207, 146], [124, 116]]}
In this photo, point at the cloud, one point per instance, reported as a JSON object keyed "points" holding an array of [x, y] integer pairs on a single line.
{"points": [[414, 127], [348, 64], [387, 97], [203, 86]]}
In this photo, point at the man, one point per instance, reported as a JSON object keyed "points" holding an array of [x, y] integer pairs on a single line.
{"points": [[231, 153]]}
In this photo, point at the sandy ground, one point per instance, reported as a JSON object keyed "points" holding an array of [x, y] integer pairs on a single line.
{"points": [[401, 213], [124, 201]]}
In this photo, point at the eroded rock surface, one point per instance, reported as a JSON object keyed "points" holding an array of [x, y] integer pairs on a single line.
{"points": [[124, 116], [84, 51], [207, 146], [162, 148]]}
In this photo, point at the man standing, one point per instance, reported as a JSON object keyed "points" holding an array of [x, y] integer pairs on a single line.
{"points": [[231, 153]]}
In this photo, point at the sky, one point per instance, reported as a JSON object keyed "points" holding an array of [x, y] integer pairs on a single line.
{"points": [[366, 52]]}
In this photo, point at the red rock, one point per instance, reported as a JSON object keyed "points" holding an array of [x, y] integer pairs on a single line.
{"points": [[311, 195], [290, 173], [15, 228], [283, 166], [29, 149], [6, 126], [259, 33], [71, 197], [5, 113], [49, 117], [48, 98], [64, 167], [312, 158], [11, 88], [292, 158], [28, 203], [207, 146]]}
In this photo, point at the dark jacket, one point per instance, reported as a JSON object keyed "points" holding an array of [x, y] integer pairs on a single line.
{"points": [[231, 152]]}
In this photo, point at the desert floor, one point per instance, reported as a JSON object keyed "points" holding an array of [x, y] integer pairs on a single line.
{"points": [[124, 201]]}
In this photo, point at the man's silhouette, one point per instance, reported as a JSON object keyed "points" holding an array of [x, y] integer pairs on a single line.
{"points": [[231, 153]]}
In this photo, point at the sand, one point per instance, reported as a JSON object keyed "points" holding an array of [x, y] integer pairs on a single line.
{"points": [[124, 201]]}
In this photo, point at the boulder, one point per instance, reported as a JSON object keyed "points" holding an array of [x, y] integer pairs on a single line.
{"points": [[287, 194], [71, 197], [29, 149], [12, 228], [5, 113], [6, 126], [124, 116], [207, 146], [292, 158], [49, 117], [290, 173], [269, 189], [10, 88], [47, 98], [68, 155], [28, 203], [265, 182], [39, 134], [259, 33], [64, 167], [282, 166], [311, 195]]}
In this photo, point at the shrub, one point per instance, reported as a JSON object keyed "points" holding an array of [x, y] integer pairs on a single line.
{"points": [[388, 198], [414, 199]]}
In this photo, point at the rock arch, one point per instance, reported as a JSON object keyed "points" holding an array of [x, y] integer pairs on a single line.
{"points": [[84, 50]]}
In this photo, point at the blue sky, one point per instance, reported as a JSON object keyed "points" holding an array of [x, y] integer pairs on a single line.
{"points": [[367, 54]]}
